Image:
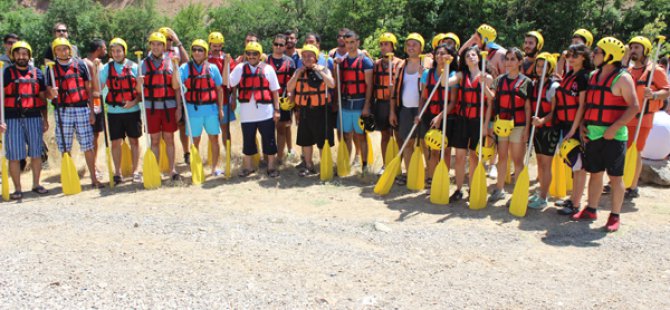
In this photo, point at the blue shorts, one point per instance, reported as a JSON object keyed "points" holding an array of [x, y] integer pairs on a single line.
{"points": [[73, 120], [22, 132], [350, 121], [206, 116], [228, 115]]}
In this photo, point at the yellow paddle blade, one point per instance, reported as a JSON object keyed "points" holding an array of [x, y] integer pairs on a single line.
{"points": [[416, 174], [256, 158], [568, 177], [439, 190], [391, 152], [477, 199], [209, 153], [385, 182], [163, 161], [558, 187], [152, 174], [69, 177], [110, 168], [5, 180], [519, 203], [126, 160], [326, 166], [343, 164], [197, 172], [228, 159], [371, 155], [629, 166], [508, 176]]}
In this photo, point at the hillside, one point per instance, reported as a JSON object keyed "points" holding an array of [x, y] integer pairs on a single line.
{"points": [[168, 7]]}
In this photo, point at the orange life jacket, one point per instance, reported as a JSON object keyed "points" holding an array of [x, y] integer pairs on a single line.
{"points": [[603, 108], [200, 86], [121, 87], [22, 91], [254, 84], [382, 79], [509, 102], [306, 95]]}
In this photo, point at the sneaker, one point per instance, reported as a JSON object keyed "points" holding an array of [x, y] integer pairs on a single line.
{"points": [[607, 189], [137, 177], [381, 171], [492, 172], [401, 179], [356, 163], [632, 193], [585, 214], [217, 172], [534, 197], [117, 179], [568, 208], [456, 196], [538, 203], [187, 158], [98, 174], [176, 177], [562, 203], [497, 194], [301, 165], [612, 223]]}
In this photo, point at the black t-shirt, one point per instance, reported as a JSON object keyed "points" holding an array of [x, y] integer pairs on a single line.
{"points": [[19, 112], [277, 64]]}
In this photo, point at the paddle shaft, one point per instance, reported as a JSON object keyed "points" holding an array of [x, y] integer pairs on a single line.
{"points": [[339, 99], [649, 82], [423, 109], [175, 70], [537, 110], [2, 102], [143, 105], [444, 109], [104, 108], [482, 84], [58, 107]]}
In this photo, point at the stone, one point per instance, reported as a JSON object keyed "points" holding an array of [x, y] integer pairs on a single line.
{"points": [[655, 172]]}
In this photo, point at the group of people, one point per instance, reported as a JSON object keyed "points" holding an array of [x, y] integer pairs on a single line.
{"points": [[583, 104]]}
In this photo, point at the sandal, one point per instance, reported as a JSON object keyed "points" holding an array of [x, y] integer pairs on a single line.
{"points": [[97, 185], [401, 179], [274, 173], [40, 190], [429, 182], [307, 171], [117, 179], [16, 195], [176, 177], [245, 173]]}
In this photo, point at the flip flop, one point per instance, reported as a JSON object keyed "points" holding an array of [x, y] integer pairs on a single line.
{"points": [[40, 190], [16, 195]]}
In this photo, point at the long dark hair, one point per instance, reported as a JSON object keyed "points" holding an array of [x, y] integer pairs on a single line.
{"points": [[581, 49], [451, 51]]}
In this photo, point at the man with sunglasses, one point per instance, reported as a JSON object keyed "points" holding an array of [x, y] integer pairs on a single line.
{"points": [[8, 41], [60, 31], [284, 67], [250, 37]]}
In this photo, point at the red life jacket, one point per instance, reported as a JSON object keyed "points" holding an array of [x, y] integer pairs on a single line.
{"points": [[567, 98], [382, 79], [545, 105], [306, 95], [218, 61], [353, 78], [653, 106], [22, 91], [603, 108], [283, 72], [200, 86], [509, 102], [121, 87], [158, 81], [254, 84], [469, 97], [437, 101], [71, 85]]}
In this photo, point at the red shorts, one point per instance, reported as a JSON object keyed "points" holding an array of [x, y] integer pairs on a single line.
{"points": [[641, 139], [162, 120]]}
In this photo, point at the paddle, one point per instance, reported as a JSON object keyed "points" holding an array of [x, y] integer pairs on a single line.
{"points": [[477, 196], [392, 146], [416, 173], [326, 165], [439, 189], [228, 151], [632, 154], [108, 152], [69, 177], [519, 203], [126, 159], [197, 172], [558, 186], [152, 175], [163, 161], [385, 182], [343, 157], [5, 167]]}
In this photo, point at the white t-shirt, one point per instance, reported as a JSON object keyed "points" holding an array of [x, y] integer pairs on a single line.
{"points": [[250, 111], [410, 90]]}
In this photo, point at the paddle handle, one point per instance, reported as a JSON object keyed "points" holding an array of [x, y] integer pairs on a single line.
{"points": [[59, 119], [537, 110], [660, 39], [482, 84], [2, 103], [102, 105], [423, 109], [444, 107], [390, 56], [143, 104]]}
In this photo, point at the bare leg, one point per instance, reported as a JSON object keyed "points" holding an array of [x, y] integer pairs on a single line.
{"points": [[503, 151], [460, 168], [36, 167], [578, 184], [544, 166], [116, 156], [15, 173], [169, 143], [135, 150], [90, 162], [214, 140]]}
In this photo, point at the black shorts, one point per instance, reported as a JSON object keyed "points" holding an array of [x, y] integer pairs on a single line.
{"points": [[99, 125], [466, 133], [123, 125], [605, 155], [564, 127], [382, 109], [285, 116], [312, 128], [451, 123], [546, 140]]}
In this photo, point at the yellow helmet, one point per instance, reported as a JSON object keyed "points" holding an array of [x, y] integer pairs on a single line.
{"points": [[158, 37], [61, 42], [309, 48], [121, 42], [613, 48], [21, 44], [437, 38], [570, 150], [254, 47], [538, 36], [646, 44], [389, 37], [503, 127], [487, 33], [550, 59], [200, 43], [417, 37], [216, 38], [433, 139], [453, 36], [488, 151], [587, 35], [286, 104], [165, 31]]}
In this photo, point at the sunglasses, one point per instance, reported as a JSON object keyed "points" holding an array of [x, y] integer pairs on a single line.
{"points": [[198, 50], [340, 36], [61, 30], [252, 53], [279, 44], [10, 42]]}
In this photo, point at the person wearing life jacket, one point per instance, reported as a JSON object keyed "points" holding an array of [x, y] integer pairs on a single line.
{"points": [[259, 107], [284, 67], [250, 37], [383, 78], [217, 57], [161, 99], [203, 84], [60, 31], [74, 104], [97, 48], [341, 50], [533, 43], [547, 135], [121, 104], [582, 36], [640, 70], [484, 38], [26, 117], [309, 85], [466, 104], [570, 103], [406, 98], [432, 118], [511, 114], [611, 103], [290, 43]]}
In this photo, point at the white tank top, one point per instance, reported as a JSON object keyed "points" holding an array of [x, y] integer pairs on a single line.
{"points": [[410, 90]]}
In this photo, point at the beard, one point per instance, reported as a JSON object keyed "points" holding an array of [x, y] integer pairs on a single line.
{"points": [[21, 62]]}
